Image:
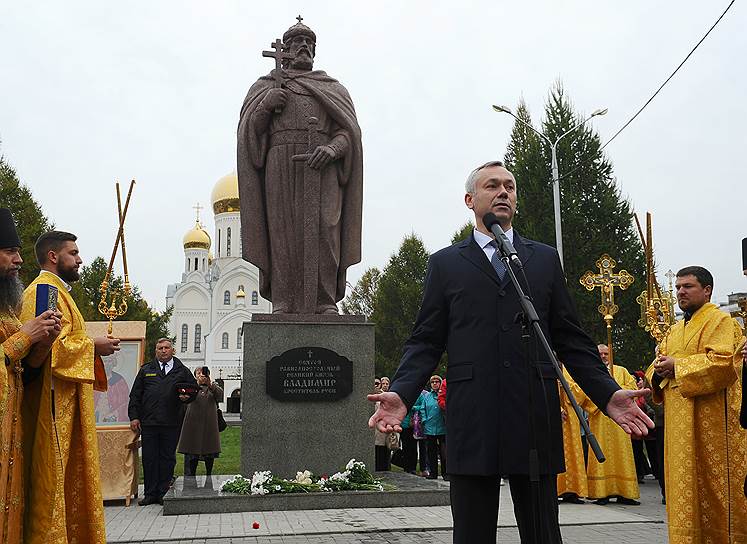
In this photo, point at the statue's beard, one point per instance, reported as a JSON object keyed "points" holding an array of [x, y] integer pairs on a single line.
{"points": [[11, 293]]}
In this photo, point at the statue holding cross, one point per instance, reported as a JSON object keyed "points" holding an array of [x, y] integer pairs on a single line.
{"points": [[606, 280], [300, 168]]}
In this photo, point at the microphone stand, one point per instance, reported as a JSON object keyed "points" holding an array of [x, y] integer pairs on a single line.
{"points": [[531, 323]]}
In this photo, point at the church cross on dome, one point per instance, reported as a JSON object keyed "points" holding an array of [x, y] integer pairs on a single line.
{"points": [[197, 208], [299, 19]]}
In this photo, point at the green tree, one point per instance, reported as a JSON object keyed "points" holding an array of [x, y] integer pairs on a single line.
{"points": [[463, 232], [398, 297], [361, 300], [30, 220], [596, 218], [87, 296]]}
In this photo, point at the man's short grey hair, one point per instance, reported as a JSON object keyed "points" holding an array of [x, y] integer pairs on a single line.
{"points": [[469, 186], [164, 339]]}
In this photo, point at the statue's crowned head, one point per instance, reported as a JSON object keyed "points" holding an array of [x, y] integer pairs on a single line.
{"points": [[300, 40]]}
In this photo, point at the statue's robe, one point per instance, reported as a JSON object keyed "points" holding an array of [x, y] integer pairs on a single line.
{"points": [[64, 502], [617, 475], [271, 188], [705, 450], [573, 480], [14, 346]]}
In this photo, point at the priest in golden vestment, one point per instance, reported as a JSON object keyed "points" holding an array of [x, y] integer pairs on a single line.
{"points": [[616, 477], [697, 377], [572, 483], [31, 342], [64, 501]]}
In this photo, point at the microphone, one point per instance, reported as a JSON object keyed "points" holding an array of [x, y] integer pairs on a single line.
{"points": [[504, 244]]}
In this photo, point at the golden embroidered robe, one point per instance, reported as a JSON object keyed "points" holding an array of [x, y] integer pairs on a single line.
{"points": [[617, 475], [705, 450], [14, 346], [61, 452], [573, 480]]}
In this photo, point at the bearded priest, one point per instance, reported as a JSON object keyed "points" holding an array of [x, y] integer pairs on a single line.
{"points": [[20, 345], [697, 377], [64, 501]]}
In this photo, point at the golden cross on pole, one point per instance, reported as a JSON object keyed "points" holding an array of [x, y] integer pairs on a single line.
{"points": [[606, 280]]}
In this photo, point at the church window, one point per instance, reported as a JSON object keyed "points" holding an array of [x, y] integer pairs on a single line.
{"points": [[198, 338], [238, 338], [188, 265], [185, 332], [227, 298], [218, 242], [228, 242], [224, 341], [255, 298], [195, 263], [203, 264]]}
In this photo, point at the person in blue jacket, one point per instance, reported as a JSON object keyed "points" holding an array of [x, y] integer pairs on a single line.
{"points": [[434, 427]]}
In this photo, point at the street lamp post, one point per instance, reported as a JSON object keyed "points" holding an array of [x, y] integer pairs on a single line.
{"points": [[555, 174]]}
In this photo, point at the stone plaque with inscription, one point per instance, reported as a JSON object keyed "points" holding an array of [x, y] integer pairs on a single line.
{"points": [[309, 374]]}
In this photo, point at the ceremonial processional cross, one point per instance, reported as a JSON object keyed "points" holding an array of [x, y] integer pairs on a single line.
{"points": [[606, 280], [118, 306]]}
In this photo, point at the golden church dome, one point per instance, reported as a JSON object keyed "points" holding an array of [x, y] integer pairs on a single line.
{"points": [[225, 195], [197, 237]]}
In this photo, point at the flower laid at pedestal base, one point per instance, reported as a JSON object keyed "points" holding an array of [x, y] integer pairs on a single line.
{"points": [[355, 477]]}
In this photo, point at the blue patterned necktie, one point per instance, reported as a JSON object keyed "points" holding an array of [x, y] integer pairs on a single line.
{"points": [[495, 260]]}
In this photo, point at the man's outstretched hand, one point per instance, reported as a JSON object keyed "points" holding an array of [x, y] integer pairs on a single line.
{"points": [[624, 411], [390, 413]]}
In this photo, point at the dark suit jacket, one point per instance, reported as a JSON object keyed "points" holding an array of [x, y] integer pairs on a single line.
{"points": [[153, 397], [470, 313]]}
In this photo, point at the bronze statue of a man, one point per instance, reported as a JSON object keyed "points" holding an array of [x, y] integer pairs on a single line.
{"points": [[300, 167]]}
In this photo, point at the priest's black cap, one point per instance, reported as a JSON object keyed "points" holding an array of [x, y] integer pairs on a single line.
{"points": [[744, 253], [8, 233]]}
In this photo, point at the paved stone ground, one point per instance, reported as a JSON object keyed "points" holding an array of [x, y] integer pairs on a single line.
{"points": [[580, 524]]}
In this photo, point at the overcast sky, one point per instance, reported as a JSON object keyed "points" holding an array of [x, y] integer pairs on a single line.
{"points": [[102, 91]]}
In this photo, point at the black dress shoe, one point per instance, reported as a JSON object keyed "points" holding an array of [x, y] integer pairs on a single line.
{"points": [[629, 502], [145, 501], [602, 502], [573, 499]]}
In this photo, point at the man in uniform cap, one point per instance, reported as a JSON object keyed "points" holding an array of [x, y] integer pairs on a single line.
{"points": [[20, 345]]}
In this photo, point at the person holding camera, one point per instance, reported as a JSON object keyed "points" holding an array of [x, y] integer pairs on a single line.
{"points": [[200, 438]]}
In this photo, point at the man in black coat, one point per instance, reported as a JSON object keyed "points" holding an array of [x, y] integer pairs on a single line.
{"points": [[469, 308], [154, 413]]}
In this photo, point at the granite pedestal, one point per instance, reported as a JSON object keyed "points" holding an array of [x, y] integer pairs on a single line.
{"points": [[202, 495], [323, 432]]}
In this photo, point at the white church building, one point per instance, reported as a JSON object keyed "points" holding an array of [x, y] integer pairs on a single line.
{"points": [[218, 292]]}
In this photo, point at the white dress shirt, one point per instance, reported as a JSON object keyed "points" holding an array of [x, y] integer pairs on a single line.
{"points": [[483, 240], [168, 365]]}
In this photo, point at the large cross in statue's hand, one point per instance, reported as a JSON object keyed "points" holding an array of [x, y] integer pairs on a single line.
{"points": [[279, 55]]}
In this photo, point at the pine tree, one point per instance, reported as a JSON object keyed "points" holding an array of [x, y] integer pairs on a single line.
{"points": [[596, 219], [361, 300], [398, 297], [463, 232], [29, 218]]}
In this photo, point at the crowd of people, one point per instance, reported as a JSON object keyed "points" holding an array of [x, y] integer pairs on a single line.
{"points": [[173, 409], [50, 479], [507, 418], [422, 441]]}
